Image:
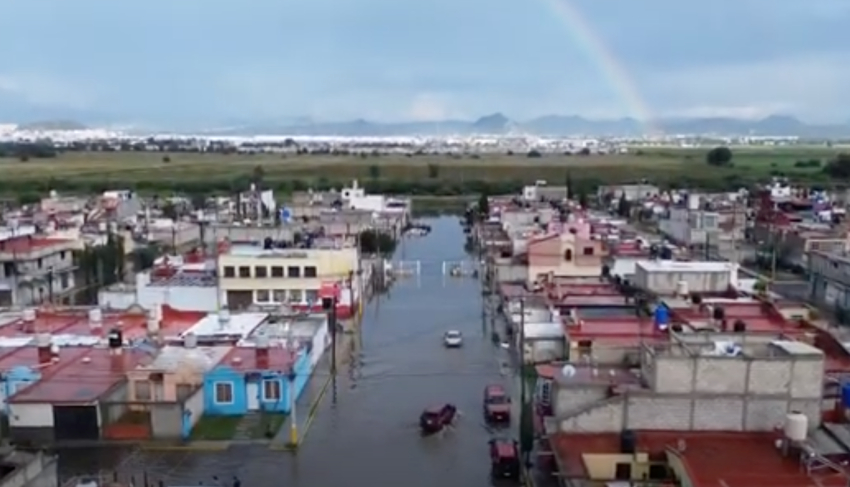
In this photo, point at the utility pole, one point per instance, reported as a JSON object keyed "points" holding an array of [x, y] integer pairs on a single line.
{"points": [[50, 284], [293, 418], [526, 431]]}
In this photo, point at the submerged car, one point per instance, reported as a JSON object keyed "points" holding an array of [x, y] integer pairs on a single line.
{"points": [[453, 339], [435, 418], [497, 404], [504, 458]]}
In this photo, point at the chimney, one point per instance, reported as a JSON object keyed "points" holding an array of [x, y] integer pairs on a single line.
{"points": [[43, 343]]}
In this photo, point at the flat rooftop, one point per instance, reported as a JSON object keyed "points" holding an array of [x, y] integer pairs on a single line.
{"points": [[245, 359], [585, 375], [82, 380], [721, 459], [29, 357], [752, 313], [685, 266], [238, 325], [172, 358]]}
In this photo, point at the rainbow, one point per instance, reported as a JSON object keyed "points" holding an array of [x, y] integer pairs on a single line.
{"points": [[611, 68]]}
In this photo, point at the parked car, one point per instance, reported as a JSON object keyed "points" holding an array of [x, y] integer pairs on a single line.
{"points": [[497, 404], [504, 458], [453, 339]]}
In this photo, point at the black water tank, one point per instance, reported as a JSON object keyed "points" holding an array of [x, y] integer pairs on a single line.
{"points": [[653, 251], [628, 442], [115, 338], [268, 243], [606, 271], [719, 313], [739, 327], [677, 328], [666, 253]]}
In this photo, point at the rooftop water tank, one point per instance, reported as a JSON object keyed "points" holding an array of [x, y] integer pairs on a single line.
{"points": [[263, 341], [796, 426], [661, 317], [43, 340], [224, 316], [682, 288], [115, 338], [152, 324], [95, 317], [628, 442], [29, 314], [190, 340]]}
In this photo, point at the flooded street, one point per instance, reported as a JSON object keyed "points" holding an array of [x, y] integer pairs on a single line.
{"points": [[366, 430]]}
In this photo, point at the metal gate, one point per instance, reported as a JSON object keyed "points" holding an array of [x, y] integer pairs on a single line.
{"points": [[403, 268], [460, 268], [75, 423]]}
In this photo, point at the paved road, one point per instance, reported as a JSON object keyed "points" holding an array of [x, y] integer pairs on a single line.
{"points": [[368, 435]]}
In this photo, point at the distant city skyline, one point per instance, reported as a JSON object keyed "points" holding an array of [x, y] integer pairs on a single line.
{"points": [[214, 61]]}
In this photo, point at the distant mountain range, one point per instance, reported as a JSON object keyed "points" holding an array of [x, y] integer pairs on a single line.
{"points": [[556, 125], [497, 123]]}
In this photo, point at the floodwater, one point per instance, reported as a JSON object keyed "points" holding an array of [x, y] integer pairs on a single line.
{"points": [[366, 431]]}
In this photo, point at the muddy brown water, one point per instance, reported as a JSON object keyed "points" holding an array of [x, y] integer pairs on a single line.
{"points": [[367, 431]]}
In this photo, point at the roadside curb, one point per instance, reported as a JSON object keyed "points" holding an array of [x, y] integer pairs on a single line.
{"points": [[195, 446], [305, 428]]}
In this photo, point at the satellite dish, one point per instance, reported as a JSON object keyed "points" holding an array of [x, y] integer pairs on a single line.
{"points": [[568, 371]]}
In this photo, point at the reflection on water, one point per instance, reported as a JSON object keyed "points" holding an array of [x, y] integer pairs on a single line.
{"points": [[365, 430]]}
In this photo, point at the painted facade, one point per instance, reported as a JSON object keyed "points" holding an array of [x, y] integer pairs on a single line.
{"points": [[16, 379], [233, 391], [568, 251]]}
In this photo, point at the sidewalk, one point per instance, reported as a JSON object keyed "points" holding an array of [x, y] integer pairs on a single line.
{"points": [[307, 405]]}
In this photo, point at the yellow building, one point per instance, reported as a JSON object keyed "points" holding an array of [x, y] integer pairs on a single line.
{"points": [[251, 275]]}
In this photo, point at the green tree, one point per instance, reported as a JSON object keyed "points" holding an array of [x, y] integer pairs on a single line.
{"points": [[169, 210], [374, 171], [582, 199], [433, 171], [719, 156], [258, 174], [375, 242], [624, 207], [838, 168], [483, 206]]}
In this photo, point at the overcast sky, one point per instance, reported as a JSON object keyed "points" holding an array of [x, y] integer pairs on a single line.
{"points": [[217, 60]]}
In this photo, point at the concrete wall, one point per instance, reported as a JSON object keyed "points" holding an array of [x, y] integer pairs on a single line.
{"points": [[649, 411], [508, 272], [798, 378], [666, 282]]}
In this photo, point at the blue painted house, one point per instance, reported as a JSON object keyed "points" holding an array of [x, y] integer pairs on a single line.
{"points": [[256, 379], [26, 365]]}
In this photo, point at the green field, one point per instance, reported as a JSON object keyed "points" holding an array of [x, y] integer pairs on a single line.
{"points": [[417, 174]]}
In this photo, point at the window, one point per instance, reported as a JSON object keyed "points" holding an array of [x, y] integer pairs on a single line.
{"points": [[312, 295], [39, 263], [568, 255], [279, 296], [224, 392], [64, 281], [229, 271], [588, 251], [184, 391], [310, 271], [62, 255], [293, 271], [295, 295], [277, 271], [261, 271], [144, 391], [271, 390], [244, 271], [262, 296]]}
